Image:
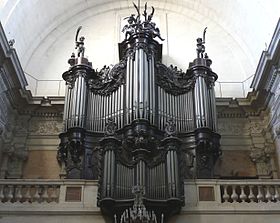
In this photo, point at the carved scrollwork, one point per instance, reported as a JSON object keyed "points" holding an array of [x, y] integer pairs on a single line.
{"points": [[170, 128], [70, 80], [110, 127], [173, 80], [107, 80]]}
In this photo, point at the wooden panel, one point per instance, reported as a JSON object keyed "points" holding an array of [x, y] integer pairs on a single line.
{"points": [[73, 194], [206, 193]]}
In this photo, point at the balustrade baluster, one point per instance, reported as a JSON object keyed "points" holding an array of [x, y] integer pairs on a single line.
{"points": [[2, 196], [45, 196], [242, 196], [234, 195], [54, 196], [276, 194], [260, 196], [225, 195], [268, 195], [27, 195], [251, 194], [10, 193], [37, 196], [18, 193]]}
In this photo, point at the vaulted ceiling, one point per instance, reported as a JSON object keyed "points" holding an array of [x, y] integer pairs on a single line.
{"points": [[238, 31]]}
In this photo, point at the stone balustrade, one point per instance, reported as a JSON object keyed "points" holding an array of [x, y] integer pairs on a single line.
{"points": [[232, 195], [250, 192], [197, 192], [29, 191]]}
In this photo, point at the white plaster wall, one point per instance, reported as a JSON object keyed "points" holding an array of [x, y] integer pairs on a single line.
{"points": [[44, 33]]}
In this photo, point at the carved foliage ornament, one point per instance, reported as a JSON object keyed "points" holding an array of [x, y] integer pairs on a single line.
{"points": [[107, 80], [173, 80]]}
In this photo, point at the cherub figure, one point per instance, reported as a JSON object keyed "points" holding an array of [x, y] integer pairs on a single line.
{"points": [[200, 45], [79, 44], [130, 28]]}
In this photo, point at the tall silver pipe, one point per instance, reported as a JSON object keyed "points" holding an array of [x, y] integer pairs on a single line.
{"points": [[95, 111], [164, 99], [89, 113], [135, 85], [172, 171], [127, 89], [113, 105], [122, 107], [153, 87], [169, 174], [93, 107], [162, 108], [101, 113], [176, 174], [66, 107], [184, 113], [100, 105], [204, 100], [197, 103], [112, 175], [107, 107], [159, 103], [131, 94], [141, 83], [78, 104], [105, 172], [73, 102], [192, 110], [150, 106], [163, 180], [189, 116], [108, 173], [69, 104], [201, 94], [82, 103], [117, 105]]}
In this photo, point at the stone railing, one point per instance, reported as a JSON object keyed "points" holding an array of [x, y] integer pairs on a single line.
{"points": [[200, 195], [232, 195], [29, 191], [81, 194], [250, 192]]}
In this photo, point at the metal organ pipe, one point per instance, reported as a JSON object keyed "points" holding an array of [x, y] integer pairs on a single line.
{"points": [[67, 106]]}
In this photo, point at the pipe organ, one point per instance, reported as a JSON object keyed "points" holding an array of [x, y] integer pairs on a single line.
{"points": [[139, 123]]}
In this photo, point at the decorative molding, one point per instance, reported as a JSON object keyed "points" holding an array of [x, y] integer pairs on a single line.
{"points": [[233, 128], [42, 127]]}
